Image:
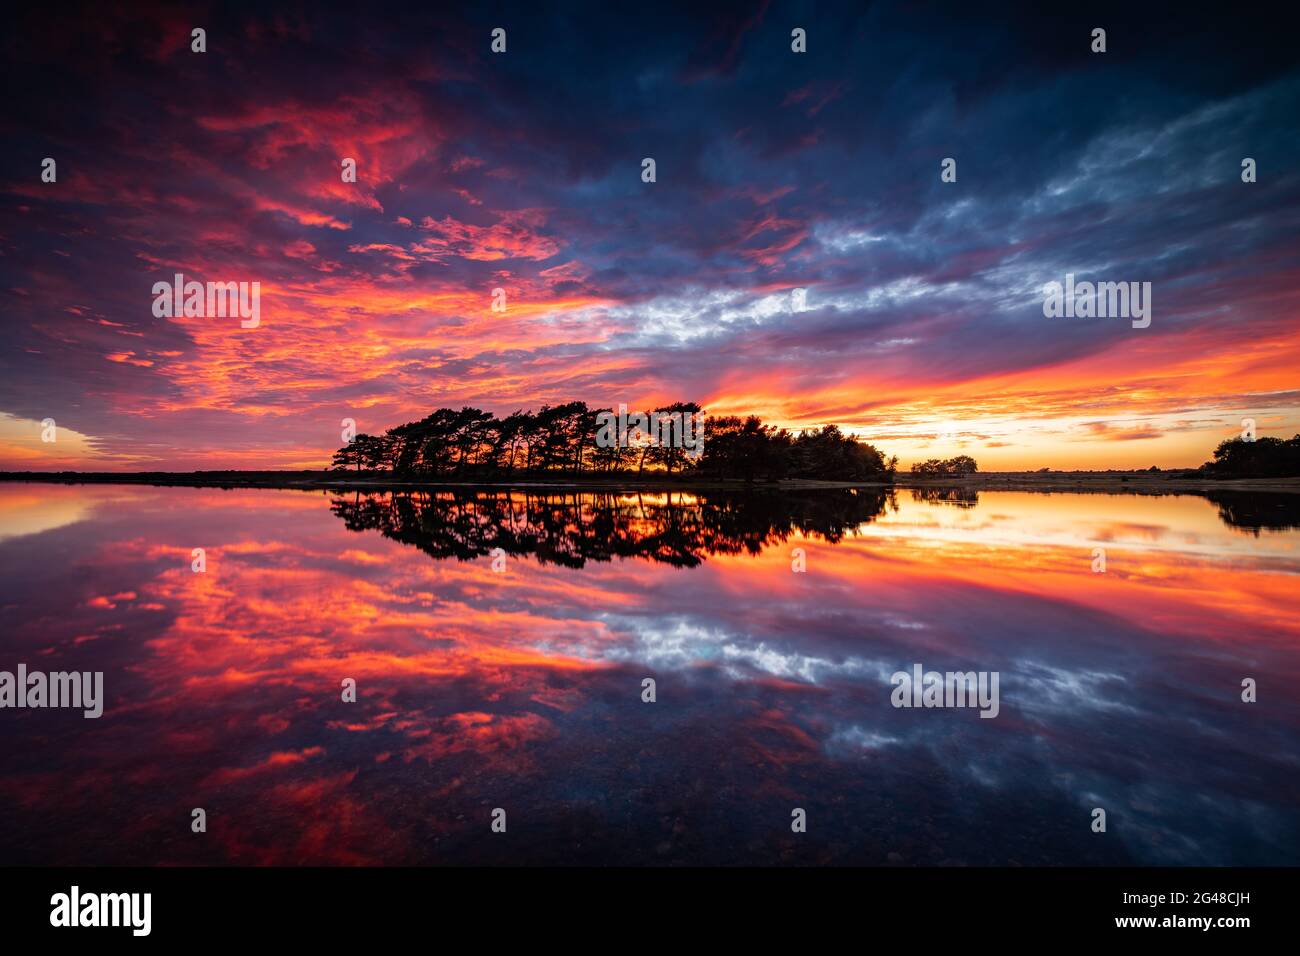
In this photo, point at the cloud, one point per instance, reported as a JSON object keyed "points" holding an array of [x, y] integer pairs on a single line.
{"points": [[776, 171]]}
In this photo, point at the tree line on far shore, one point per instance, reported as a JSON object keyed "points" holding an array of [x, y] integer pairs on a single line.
{"points": [[561, 440], [1262, 458], [945, 467]]}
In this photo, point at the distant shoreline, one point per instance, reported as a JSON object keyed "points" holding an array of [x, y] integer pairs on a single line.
{"points": [[1137, 482]]}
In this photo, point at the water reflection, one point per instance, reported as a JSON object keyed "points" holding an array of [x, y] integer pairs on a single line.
{"points": [[1258, 510], [570, 529], [960, 497], [522, 689]]}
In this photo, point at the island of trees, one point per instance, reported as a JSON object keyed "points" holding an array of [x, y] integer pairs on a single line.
{"points": [[561, 441]]}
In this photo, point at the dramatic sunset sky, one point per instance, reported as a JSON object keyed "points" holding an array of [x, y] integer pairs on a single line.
{"points": [[923, 331]]}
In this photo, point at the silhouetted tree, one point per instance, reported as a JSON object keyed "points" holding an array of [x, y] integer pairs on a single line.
{"points": [[947, 467], [671, 453], [1263, 458], [347, 457], [472, 443], [829, 455]]}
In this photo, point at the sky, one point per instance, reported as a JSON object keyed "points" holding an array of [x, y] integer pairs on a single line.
{"points": [[922, 327]]}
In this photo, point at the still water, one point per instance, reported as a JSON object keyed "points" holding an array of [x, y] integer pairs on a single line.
{"points": [[521, 688]]}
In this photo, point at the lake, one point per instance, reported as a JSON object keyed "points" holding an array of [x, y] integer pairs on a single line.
{"points": [[499, 643]]}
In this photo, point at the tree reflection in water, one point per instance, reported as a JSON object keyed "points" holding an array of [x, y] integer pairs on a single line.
{"points": [[572, 528], [1258, 510], [958, 497]]}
